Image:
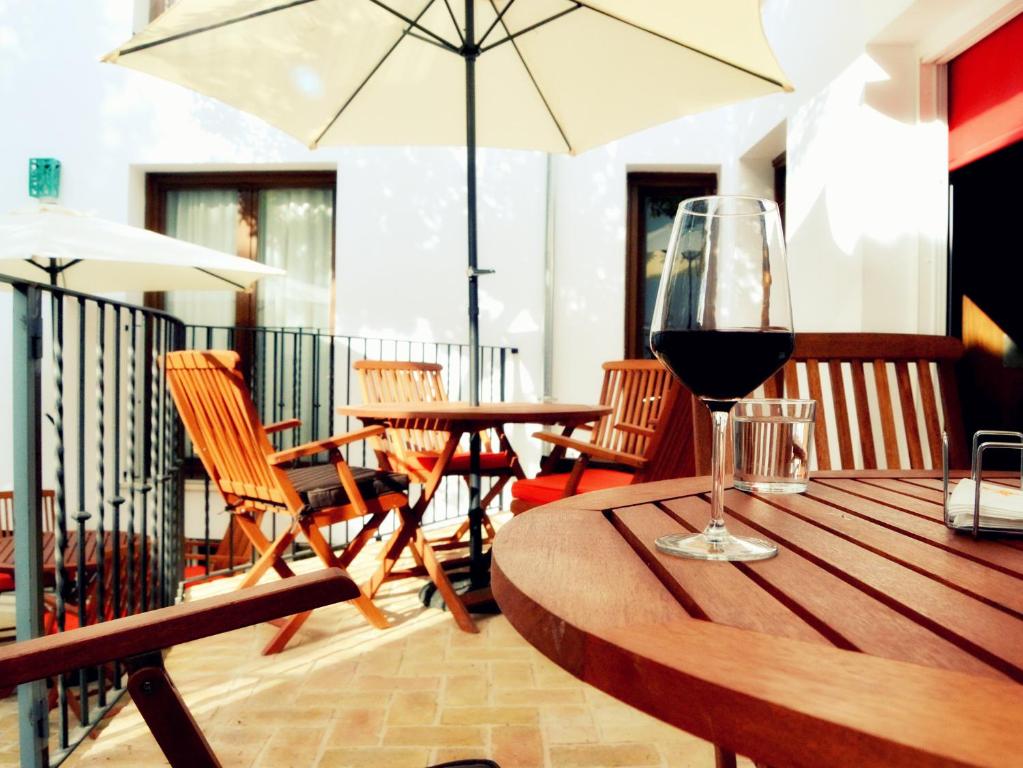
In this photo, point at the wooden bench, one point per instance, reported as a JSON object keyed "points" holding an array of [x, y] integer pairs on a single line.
{"points": [[883, 400]]}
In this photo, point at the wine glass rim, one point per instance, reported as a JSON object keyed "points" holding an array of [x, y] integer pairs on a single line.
{"points": [[686, 205]]}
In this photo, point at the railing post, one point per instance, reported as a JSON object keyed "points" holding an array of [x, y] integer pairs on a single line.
{"points": [[27, 348]]}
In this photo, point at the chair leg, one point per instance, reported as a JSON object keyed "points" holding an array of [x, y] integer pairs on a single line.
{"points": [[284, 634], [320, 546], [440, 577], [169, 720]]}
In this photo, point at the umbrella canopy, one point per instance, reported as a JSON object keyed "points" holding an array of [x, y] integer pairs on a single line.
{"points": [[555, 75], [89, 254]]}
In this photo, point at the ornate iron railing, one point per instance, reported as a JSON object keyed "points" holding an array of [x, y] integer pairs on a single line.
{"points": [[91, 419]]}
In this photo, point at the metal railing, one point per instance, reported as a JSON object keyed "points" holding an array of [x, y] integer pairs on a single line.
{"points": [[91, 419], [307, 374]]}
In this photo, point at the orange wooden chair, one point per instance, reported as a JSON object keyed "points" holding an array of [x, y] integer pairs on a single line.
{"points": [[619, 445], [221, 419], [7, 526], [414, 452]]}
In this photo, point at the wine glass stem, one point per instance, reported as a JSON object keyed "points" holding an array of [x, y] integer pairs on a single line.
{"points": [[715, 530]]}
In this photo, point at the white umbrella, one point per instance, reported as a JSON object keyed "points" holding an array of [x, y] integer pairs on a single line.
{"points": [[92, 255]]}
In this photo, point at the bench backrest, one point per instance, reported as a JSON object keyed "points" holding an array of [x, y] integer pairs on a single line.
{"points": [[883, 399]]}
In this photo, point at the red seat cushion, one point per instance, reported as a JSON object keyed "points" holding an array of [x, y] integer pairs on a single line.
{"points": [[6, 582], [548, 488], [460, 461]]}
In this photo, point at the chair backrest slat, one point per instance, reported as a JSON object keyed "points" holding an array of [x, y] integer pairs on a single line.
{"points": [[389, 381], [888, 398], [49, 513], [635, 392], [217, 410]]}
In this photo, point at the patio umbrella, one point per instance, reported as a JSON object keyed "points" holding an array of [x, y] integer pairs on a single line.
{"points": [[92, 255], [554, 75]]}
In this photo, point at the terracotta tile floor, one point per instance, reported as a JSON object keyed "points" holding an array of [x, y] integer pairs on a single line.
{"points": [[346, 695]]}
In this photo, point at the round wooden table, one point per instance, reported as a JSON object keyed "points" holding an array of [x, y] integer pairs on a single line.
{"points": [[876, 637]]}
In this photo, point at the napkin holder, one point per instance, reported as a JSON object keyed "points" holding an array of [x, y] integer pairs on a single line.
{"points": [[980, 447]]}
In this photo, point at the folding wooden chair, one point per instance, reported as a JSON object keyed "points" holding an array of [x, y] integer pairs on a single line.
{"points": [[221, 419], [636, 391], [414, 452]]}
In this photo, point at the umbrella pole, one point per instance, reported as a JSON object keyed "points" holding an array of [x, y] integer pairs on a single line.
{"points": [[478, 571]]}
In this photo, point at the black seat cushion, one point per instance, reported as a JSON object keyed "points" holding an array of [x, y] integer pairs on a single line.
{"points": [[319, 486]]}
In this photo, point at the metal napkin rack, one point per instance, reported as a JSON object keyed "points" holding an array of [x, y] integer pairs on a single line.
{"points": [[980, 447]]}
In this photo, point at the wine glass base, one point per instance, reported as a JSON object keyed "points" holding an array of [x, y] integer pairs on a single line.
{"points": [[697, 546]]}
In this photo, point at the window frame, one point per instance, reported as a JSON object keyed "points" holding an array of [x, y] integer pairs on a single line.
{"points": [[249, 184]]}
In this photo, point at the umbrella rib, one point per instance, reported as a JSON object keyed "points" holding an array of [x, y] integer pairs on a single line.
{"points": [[497, 20], [221, 277], [454, 21], [667, 39], [414, 24], [358, 90], [511, 36], [536, 85], [211, 27]]}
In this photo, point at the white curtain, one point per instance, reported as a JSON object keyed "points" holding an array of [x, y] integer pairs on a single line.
{"points": [[205, 217], [296, 234]]}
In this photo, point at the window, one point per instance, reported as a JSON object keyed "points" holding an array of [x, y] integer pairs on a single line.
{"points": [[282, 219], [653, 200]]}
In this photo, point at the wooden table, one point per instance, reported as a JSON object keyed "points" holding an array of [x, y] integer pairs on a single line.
{"points": [[49, 542], [457, 419], [876, 637]]}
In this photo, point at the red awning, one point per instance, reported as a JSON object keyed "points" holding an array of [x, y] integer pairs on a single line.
{"points": [[985, 110]]}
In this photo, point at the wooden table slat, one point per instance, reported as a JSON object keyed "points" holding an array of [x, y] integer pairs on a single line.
{"points": [[847, 615], [984, 631], [889, 508], [723, 595]]}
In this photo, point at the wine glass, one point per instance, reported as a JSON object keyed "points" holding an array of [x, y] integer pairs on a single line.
{"points": [[722, 325]]}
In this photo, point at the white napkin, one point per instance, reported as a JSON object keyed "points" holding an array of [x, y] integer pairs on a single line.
{"points": [[1000, 505]]}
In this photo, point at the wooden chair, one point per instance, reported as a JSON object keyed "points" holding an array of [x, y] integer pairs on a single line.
{"points": [[141, 639], [7, 512], [221, 419], [414, 452], [635, 390], [883, 399], [49, 517]]}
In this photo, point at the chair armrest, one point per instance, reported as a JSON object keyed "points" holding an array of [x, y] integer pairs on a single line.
{"points": [[635, 429], [591, 450], [155, 630], [279, 426], [327, 444]]}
